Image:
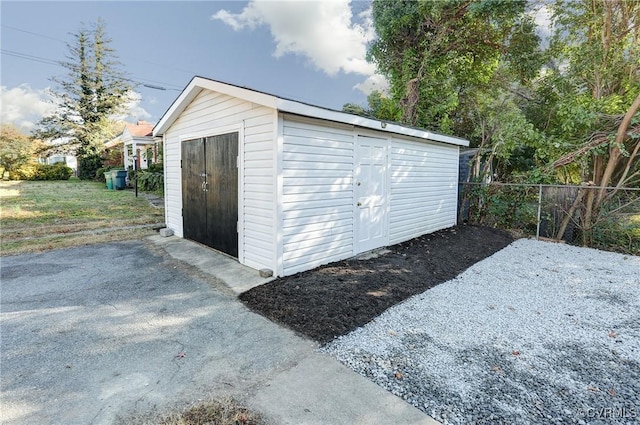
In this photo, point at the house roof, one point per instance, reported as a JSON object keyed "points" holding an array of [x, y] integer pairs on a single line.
{"points": [[197, 84], [140, 129]]}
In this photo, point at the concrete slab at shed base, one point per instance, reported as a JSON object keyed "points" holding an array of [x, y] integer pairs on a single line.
{"points": [[236, 276]]}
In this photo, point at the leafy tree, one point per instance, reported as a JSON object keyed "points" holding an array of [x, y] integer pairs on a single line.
{"points": [[383, 107], [355, 109], [599, 42], [16, 148], [380, 107], [506, 139], [463, 67], [91, 93], [438, 53], [588, 101]]}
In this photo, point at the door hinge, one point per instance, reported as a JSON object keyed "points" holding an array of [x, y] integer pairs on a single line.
{"points": [[180, 163], [238, 161], [182, 212]]}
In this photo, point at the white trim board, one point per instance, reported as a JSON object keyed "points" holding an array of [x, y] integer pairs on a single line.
{"points": [[197, 84]]}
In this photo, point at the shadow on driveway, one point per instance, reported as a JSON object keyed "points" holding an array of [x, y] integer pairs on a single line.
{"points": [[89, 333]]}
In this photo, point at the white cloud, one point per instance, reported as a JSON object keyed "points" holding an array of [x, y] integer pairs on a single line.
{"points": [[375, 82], [24, 106], [133, 109], [323, 31]]}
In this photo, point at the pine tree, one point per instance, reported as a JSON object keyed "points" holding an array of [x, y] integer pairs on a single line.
{"points": [[88, 96]]}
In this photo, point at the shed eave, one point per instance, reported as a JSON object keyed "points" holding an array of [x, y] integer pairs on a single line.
{"points": [[177, 107], [195, 86], [298, 108]]}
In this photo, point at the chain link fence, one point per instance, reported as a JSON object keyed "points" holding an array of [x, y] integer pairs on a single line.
{"points": [[598, 217]]}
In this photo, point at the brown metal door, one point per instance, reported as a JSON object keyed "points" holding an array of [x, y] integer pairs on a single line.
{"points": [[210, 192]]}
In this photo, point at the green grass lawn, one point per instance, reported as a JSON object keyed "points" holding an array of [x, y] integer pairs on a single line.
{"points": [[38, 215]]}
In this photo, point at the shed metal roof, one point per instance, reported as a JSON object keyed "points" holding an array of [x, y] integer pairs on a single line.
{"points": [[197, 84]]}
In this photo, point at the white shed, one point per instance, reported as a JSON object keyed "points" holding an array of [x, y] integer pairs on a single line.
{"points": [[288, 186]]}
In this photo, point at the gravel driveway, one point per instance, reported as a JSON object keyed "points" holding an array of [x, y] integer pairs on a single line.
{"points": [[538, 333]]}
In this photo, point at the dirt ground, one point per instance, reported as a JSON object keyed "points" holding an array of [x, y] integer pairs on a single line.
{"points": [[334, 299]]}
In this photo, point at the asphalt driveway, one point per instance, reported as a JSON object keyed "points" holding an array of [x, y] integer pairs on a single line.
{"points": [[95, 334]]}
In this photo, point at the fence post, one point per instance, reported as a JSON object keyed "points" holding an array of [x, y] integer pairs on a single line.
{"points": [[539, 211]]}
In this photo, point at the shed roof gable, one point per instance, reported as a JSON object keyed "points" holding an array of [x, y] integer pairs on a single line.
{"points": [[197, 84]]}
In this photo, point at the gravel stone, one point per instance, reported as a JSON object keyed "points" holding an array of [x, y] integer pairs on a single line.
{"points": [[538, 333]]}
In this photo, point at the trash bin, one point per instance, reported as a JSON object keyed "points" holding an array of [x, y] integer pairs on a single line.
{"points": [[109, 179], [119, 179]]}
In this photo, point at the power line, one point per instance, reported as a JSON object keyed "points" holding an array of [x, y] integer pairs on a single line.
{"points": [[28, 57], [64, 42], [33, 33], [142, 81]]}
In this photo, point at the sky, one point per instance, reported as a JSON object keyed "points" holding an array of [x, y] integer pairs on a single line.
{"points": [[310, 51]]}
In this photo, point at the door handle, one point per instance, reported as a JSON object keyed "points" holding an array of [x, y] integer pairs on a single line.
{"points": [[359, 204], [205, 186]]}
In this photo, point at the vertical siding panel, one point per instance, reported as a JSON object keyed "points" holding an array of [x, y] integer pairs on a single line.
{"points": [[423, 189], [279, 216], [208, 112], [316, 193]]}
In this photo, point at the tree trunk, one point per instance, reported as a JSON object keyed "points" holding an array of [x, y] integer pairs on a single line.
{"points": [[569, 216], [615, 153], [625, 173]]}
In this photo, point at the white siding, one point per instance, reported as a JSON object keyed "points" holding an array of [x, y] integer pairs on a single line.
{"points": [[423, 188], [207, 114], [297, 189], [317, 193]]}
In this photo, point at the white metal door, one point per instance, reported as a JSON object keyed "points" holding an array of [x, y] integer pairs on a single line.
{"points": [[371, 193]]}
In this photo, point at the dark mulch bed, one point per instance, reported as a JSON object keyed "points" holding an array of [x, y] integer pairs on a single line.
{"points": [[333, 300]]}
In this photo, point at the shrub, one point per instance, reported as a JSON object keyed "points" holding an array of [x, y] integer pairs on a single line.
{"points": [[156, 167], [617, 235], [493, 205], [88, 165], [35, 171], [24, 172], [57, 171], [149, 181]]}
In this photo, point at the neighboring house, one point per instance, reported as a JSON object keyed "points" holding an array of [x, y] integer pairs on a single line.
{"points": [[58, 153], [288, 186], [69, 160], [137, 144]]}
